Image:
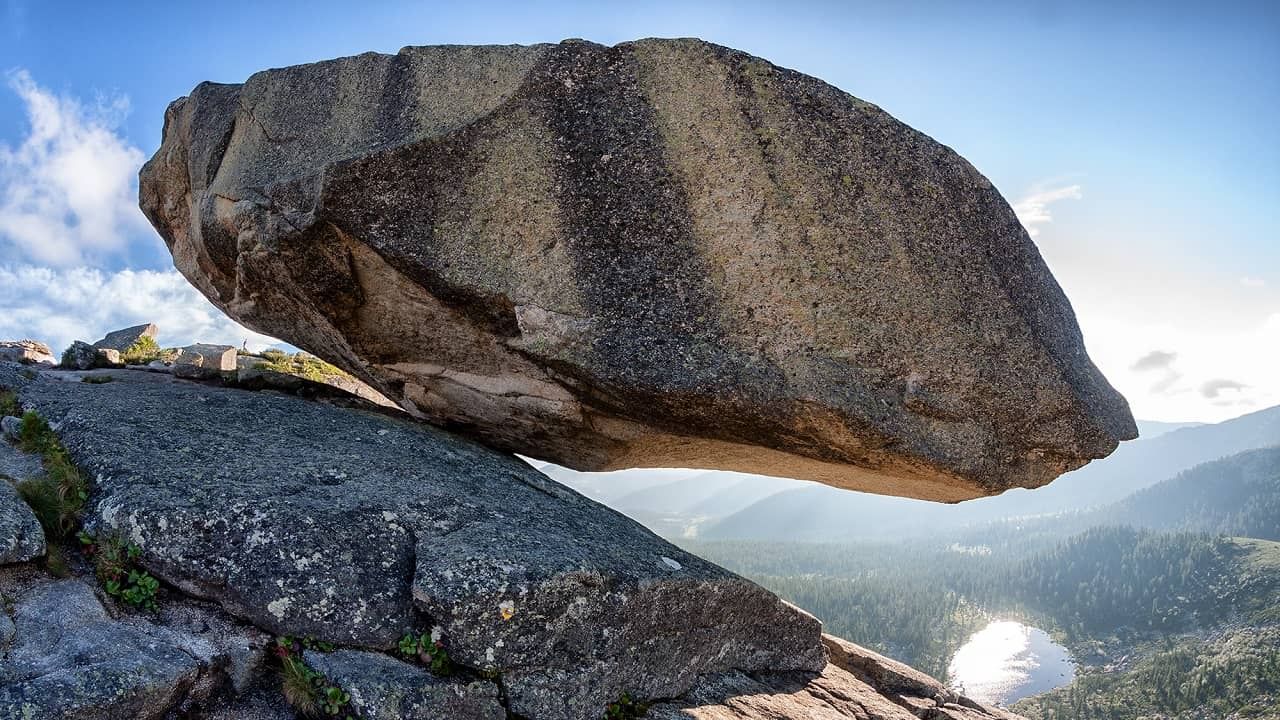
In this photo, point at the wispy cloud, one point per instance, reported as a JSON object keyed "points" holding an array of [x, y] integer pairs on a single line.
{"points": [[1216, 387], [1154, 360], [68, 190], [61, 305], [1032, 209], [1253, 282]]}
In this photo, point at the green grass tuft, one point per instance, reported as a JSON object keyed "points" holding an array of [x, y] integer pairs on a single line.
{"points": [[625, 708], [58, 496], [9, 404], [300, 364], [97, 379], [306, 690]]}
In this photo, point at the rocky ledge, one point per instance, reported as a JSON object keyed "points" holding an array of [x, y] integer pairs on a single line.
{"points": [[662, 253], [349, 533]]}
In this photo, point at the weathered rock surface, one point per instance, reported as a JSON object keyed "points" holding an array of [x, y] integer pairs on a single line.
{"points": [[356, 528], [832, 695], [69, 659], [663, 253], [906, 686], [80, 356], [11, 427], [107, 357], [27, 352], [202, 360], [21, 538], [858, 683], [15, 464], [121, 340], [383, 688]]}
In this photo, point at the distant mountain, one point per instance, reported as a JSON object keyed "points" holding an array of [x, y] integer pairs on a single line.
{"points": [[1237, 495], [672, 502], [1148, 429], [609, 487], [822, 513]]}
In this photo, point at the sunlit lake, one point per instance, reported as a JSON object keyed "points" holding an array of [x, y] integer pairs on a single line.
{"points": [[1007, 661]]}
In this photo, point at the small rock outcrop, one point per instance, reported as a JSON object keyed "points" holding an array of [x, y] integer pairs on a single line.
{"points": [[69, 659], [202, 360], [662, 253], [80, 356], [122, 340], [357, 528], [21, 538], [26, 352]]}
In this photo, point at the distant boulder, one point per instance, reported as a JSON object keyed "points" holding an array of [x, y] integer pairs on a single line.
{"points": [[27, 352], [122, 340], [202, 360], [80, 356]]}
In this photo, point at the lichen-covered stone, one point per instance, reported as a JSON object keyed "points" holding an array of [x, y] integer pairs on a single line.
{"points": [[15, 464], [383, 688], [11, 427], [21, 537], [356, 527], [662, 253], [69, 659]]}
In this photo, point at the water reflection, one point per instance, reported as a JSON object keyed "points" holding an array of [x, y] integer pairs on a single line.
{"points": [[1007, 661]]}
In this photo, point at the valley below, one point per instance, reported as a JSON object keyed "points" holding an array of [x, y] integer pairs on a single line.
{"points": [[1158, 600]]}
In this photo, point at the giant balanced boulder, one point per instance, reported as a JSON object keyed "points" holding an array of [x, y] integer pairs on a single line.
{"points": [[662, 253]]}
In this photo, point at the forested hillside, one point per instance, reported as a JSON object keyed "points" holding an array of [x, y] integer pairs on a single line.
{"points": [[1238, 495], [1232, 671], [918, 602]]}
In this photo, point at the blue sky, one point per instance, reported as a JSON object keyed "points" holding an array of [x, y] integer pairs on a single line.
{"points": [[1137, 142]]}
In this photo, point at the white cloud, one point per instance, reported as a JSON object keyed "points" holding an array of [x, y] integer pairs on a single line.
{"points": [[1032, 209], [68, 190], [1253, 282], [1220, 371], [58, 306]]}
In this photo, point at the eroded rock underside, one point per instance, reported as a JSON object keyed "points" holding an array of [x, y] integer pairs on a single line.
{"points": [[267, 515], [663, 253]]}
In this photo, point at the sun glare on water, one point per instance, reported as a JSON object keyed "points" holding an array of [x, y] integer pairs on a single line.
{"points": [[1008, 660]]}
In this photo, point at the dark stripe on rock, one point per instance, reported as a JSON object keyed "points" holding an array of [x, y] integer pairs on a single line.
{"points": [[626, 219]]}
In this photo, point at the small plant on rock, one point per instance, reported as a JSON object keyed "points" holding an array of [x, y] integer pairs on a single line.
{"points": [[58, 496], [116, 565], [97, 379], [309, 692], [36, 436], [625, 708], [141, 352], [429, 650], [9, 404]]}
